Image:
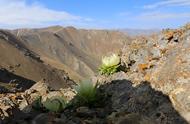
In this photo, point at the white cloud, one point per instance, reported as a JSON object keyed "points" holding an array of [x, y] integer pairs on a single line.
{"points": [[165, 3], [16, 13]]}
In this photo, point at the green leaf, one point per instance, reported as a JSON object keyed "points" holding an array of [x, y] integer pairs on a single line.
{"points": [[86, 92], [55, 104], [108, 70]]}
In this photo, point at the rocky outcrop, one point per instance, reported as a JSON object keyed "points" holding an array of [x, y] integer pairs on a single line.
{"points": [[13, 83], [123, 102], [19, 106], [164, 62]]}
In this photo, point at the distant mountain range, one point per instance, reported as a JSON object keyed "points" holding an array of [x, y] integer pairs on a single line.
{"points": [[137, 32]]}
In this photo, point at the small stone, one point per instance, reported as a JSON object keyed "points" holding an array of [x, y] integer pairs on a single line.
{"points": [[40, 87]]}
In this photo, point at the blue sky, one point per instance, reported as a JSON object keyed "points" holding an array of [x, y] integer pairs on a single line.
{"points": [[138, 14]]}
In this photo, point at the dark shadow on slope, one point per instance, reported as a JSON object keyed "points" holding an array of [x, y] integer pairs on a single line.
{"points": [[143, 101], [10, 82], [11, 39], [124, 104]]}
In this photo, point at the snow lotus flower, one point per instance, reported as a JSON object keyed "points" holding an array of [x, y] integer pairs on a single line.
{"points": [[111, 60], [110, 64]]}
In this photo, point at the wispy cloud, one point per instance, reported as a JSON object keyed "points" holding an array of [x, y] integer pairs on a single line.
{"points": [[165, 3], [156, 19], [162, 16], [17, 13]]}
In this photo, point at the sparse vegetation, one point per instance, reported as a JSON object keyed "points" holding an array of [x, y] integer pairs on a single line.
{"points": [[110, 64], [86, 93], [55, 104]]}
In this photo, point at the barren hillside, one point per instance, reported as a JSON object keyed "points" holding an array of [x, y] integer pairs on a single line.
{"points": [[18, 60], [76, 51]]}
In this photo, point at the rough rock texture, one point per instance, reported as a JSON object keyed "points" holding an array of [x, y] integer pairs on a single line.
{"points": [[140, 104], [19, 106], [164, 61], [13, 83], [124, 103]]}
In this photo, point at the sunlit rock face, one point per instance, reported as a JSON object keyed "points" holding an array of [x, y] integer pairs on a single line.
{"points": [[165, 63]]}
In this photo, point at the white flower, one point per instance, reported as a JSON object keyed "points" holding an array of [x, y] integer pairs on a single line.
{"points": [[111, 60]]}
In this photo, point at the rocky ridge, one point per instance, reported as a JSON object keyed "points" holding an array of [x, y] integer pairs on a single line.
{"points": [[163, 62]]}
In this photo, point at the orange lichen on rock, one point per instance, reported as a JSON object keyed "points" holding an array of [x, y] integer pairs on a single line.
{"points": [[143, 67], [169, 34], [147, 77]]}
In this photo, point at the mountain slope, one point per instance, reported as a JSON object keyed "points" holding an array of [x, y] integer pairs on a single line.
{"points": [[77, 51], [19, 60]]}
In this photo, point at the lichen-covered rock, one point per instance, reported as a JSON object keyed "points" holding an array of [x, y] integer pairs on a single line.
{"points": [[167, 67], [180, 98]]}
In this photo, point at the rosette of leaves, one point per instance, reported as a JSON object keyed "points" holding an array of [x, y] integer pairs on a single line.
{"points": [[86, 93], [110, 64], [54, 104]]}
